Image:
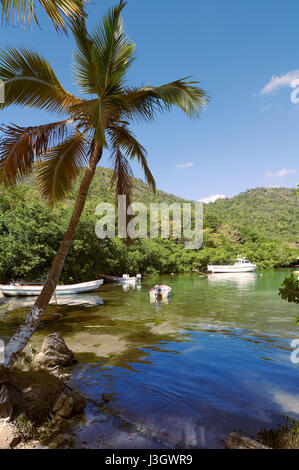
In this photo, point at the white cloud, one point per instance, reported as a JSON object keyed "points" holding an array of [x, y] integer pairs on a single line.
{"points": [[280, 81], [213, 198], [280, 173], [182, 166]]}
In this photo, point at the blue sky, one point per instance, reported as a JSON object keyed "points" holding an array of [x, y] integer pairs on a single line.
{"points": [[244, 53]]}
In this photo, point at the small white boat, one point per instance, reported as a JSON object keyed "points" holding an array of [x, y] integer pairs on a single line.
{"points": [[129, 280], [162, 290], [239, 265], [19, 289]]}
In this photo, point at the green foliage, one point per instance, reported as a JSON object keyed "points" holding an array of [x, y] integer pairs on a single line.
{"points": [[290, 289], [269, 212], [30, 234]]}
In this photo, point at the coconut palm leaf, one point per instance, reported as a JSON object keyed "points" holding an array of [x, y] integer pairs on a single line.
{"points": [[30, 81], [20, 146], [113, 51], [122, 175], [122, 138], [60, 166], [23, 11], [144, 103], [84, 64]]}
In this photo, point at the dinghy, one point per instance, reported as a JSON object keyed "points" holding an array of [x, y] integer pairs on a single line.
{"points": [[162, 290], [126, 279], [19, 289]]}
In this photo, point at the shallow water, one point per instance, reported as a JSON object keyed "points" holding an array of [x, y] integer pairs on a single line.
{"points": [[215, 358]]}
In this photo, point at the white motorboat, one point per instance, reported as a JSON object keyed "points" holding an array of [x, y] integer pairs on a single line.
{"points": [[239, 265], [19, 289]]}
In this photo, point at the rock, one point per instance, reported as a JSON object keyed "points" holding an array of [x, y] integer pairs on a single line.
{"points": [[238, 441], [63, 406], [54, 352], [108, 396], [79, 402], [2, 298], [9, 437], [9, 397], [66, 441]]}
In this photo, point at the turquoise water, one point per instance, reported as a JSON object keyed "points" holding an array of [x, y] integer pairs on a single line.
{"points": [[215, 358]]}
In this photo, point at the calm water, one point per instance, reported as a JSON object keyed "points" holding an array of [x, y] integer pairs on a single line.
{"points": [[215, 358]]}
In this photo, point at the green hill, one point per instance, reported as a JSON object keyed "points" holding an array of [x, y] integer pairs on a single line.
{"points": [[272, 212], [261, 224]]}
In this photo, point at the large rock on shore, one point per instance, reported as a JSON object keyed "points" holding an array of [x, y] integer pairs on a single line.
{"points": [[54, 352], [9, 397], [63, 406]]}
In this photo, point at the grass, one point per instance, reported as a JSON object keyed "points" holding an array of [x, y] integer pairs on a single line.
{"points": [[285, 436]]}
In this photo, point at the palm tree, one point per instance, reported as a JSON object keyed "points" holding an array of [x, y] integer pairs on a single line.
{"points": [[56, 152], [59, 11]]}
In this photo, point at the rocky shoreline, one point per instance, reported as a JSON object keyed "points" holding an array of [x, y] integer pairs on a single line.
{"points": [[40, 410], [36, 403]]}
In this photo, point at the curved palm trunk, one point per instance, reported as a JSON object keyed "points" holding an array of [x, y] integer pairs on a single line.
{"points": [[21, 337]]}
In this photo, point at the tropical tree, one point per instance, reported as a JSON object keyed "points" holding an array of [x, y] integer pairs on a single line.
{"points": [[59, 11], [290, 289], [56, 152]]}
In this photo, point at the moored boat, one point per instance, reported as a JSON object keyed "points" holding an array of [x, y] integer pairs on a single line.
{"points": [[128, 280], [19, 289], [162, 290], [239, 265]]}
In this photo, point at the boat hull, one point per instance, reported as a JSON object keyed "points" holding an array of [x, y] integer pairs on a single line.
{"points": [[232, 269], [14, 290]]}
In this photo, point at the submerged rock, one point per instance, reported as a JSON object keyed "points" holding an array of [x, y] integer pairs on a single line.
{"points": [[238, 441], [54, 352], [9, 437]]}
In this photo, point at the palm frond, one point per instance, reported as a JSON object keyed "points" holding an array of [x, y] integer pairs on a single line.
{"points": [[84, 63], [113, 51], [20, 146], [60, 166], [122, 138], [122, 175], [23, 11], [29, 80], [145, 102]]}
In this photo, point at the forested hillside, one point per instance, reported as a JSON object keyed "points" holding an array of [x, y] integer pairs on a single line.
{"points": [[261, 224], [273, 212]]}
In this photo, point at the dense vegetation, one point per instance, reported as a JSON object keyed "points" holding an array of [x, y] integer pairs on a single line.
{"points": [[272, 212], [290, 289], [258, 224]]}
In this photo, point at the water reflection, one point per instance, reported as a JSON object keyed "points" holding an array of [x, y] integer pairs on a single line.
{"points": [[189, 371], [129, 285], [241, 280], [74, 300]]}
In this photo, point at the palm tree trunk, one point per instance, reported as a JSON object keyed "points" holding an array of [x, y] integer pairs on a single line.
{"points": [[21, 337]]}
